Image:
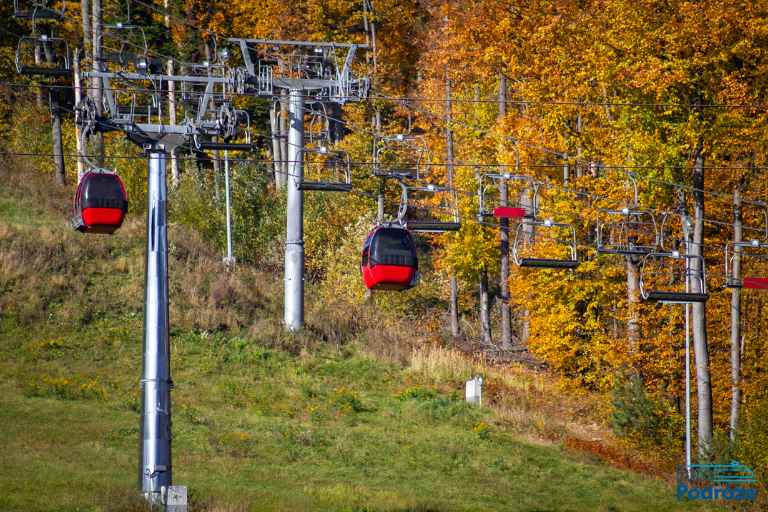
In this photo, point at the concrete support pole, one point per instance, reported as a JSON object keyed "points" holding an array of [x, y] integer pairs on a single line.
{"points": [[294, 233], [155, 436]]}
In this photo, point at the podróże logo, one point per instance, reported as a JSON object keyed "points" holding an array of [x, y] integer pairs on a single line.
{"points": [[714, 482]]}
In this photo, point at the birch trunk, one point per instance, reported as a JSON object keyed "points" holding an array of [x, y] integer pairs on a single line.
{"points": [[736, 318], [699, 316]]}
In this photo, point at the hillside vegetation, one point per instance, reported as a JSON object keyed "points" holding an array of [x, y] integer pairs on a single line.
{"points": [[262, 420]]}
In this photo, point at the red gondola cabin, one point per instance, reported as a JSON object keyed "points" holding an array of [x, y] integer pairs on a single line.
{"points": [[389, 259], [100, 203]]}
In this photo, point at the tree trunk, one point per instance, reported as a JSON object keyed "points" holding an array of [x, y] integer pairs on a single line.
{"points": [[58, 153], [454, 313], [172, 120], [485, 316], [736, 317], [97, 87], [633, 300], [526, 201], [699, 314], [506, 313], [78, 96], [39, 88], [284, 140], [85, 13], [502, 96], [277, 157]]}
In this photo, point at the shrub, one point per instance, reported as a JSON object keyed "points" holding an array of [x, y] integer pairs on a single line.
{"points": [[640, 417]]}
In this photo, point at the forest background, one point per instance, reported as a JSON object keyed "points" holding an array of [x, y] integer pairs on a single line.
{"points": [[581, 96]]}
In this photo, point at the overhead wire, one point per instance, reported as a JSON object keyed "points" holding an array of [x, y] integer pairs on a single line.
{"points": [[407, 101]]}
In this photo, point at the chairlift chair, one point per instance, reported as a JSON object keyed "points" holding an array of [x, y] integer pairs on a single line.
{"points": [[627, 231], [401, 155], [118, 46], [389, 260], [750, 253], [498, 212], [231, 124], [37, 10], [317, 131], [100, 202], [426, 225], [544, 243], [334, 162], [665, 277], [630, 230], [43, 55]]}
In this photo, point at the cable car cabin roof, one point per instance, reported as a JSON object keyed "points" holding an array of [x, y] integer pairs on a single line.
{"points": [[392, 246], [548, 263], [676, 297]]}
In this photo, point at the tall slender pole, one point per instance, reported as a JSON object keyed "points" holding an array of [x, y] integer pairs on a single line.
{"points": [[155, 436], [294, 233], [285, 153], [98, 84], [736, 316], [172, 121], [380, 202], [277, 146], [60, 174], [506, 313], [78, 98], [229, 260], [454, 302], [686, 235], [85, 14]]}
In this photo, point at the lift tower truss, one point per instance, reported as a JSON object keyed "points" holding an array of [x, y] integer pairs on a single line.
{"points": [[135, 103], [309, 72]]}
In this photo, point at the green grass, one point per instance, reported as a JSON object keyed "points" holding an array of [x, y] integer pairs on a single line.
{"points": [[262, 421], [326, 430]]}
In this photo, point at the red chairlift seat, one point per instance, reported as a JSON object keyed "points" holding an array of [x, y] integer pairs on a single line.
{"points": [[750, 252], [100, 203], [508, 212], [389, 260], [755, 283]]}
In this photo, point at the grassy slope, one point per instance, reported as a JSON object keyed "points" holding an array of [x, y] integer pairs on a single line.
{"points": [[262, 422]]}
